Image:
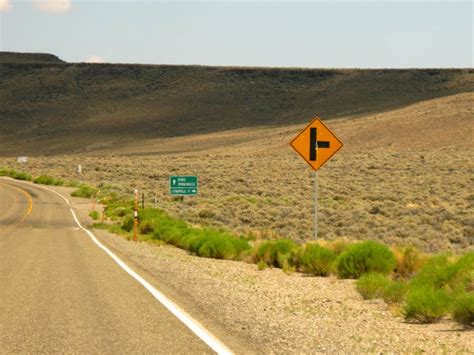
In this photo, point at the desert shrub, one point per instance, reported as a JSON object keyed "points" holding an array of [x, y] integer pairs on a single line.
{"points": [[409, 261], [281, 253], [395, 292], [426, 304], [372, 285], [218, 247], [463, 309], [4, 172], [212, 243], [172, 231], [338, 245], [146, 227], [85, 191], [365, 257], [127, 223], [20, 175], [317, 260], [439, 272], [72, 184], [262, 265], [122, 211], [48, 180], [94, 215]]}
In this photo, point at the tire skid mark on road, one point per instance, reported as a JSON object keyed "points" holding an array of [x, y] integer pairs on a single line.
{"points": [[198, 329], [26, 214]]}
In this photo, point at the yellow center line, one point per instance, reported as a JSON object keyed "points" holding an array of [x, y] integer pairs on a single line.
{"points": [[25, 214]]}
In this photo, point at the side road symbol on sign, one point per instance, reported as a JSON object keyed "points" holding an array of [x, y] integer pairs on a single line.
{"points": [[316, 144]]}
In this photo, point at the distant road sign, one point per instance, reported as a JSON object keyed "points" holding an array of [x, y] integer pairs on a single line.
{"points": [[183, 185], [316, 144]]}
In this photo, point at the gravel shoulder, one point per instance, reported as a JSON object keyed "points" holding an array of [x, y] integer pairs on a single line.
{"points": [[271, 312]]}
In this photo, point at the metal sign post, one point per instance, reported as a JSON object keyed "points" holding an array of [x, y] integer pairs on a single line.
{"points": [[316, 144], [315, 205]]}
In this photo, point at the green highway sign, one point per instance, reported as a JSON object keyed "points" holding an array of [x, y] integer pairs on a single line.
{"points": [[183, 185]]}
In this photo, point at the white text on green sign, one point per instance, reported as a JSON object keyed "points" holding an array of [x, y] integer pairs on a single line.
{"points": [[183, 185]]}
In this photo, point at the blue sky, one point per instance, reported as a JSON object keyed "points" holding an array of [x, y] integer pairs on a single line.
{"points": [[370, 34]]}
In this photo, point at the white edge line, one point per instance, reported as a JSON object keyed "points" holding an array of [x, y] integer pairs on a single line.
{"points": [[184, 317]]}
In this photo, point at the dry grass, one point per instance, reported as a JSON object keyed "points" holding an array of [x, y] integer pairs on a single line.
{"points": [[404, 177]]}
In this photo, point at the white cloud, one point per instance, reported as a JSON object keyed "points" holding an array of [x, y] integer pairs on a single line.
{"points": [[5, 5], [53, 6], [95, 59]]}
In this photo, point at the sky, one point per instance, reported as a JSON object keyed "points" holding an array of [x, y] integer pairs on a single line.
{"points": [[315, 34]]}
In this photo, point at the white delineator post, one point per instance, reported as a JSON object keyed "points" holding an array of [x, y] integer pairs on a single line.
{"points": [[135, 217]]}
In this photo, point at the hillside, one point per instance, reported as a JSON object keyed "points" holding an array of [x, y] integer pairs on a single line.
{"points": [[28, 58], [402, 177], [52, 107]]}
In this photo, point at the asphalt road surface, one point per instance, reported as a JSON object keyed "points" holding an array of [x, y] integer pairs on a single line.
{"points": [[60, 293]]}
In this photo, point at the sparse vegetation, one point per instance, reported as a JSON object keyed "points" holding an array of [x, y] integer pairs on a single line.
{"points": [[94, 215], [463, 309], [365, 257], [85, 191], [48, 180], [372, 285], [14, 174], [317, 260], [426, 304], [409, 261], [395, 292], [283, 253]]}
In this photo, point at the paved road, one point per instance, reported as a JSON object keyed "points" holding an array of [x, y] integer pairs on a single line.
{"points": [[60, 293]]}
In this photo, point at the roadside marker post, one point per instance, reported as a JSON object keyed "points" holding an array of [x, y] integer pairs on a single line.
{"points": [[316, 144], [135, 217]]}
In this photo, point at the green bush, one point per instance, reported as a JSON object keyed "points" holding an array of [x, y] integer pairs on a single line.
{"points": [[426, 304], [317, 260], [4, 172], [439, 272], [122, 211], [48, 180], [372, 285], [218, 248], [395, 292], [85, 191], [365, 257], [146, 227], [127, 224], [463, 309], [94, 215], [72, 184], [409, 261], [283, 253], [20, 175]]}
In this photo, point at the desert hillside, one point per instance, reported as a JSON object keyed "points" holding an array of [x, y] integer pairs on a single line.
{"points": [[402, 177], [52, 107]]}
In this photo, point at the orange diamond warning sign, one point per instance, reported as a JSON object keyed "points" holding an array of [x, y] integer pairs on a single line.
{"points": [[316, 143]]}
